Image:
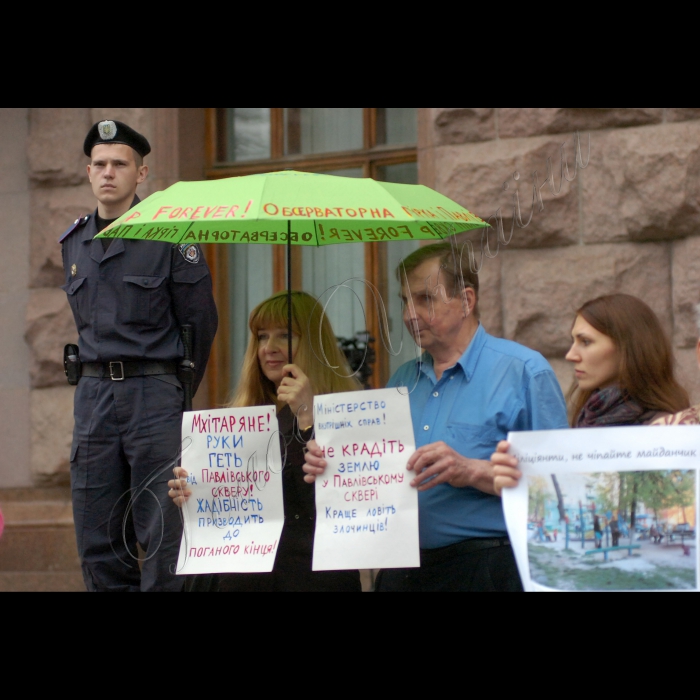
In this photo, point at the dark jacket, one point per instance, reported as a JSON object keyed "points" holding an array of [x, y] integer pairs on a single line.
{"points": [[130, 301]]}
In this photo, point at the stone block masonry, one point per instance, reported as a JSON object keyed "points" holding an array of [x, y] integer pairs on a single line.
{"points": [[629, 222]]}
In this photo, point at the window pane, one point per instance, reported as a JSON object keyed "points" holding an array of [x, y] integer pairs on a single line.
{"points": [[400, 337], [248, 133], [249, 283], [403, 173], [397, 126], [322, 129], [328, 266], [347, 172]]}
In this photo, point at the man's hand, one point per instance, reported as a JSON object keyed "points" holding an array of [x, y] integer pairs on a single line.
{"points": [[314, 465], [440, 464], [505, 471], [179, 489]]}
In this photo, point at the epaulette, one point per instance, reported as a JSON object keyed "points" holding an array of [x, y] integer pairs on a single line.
{"points": [[73, 226]]}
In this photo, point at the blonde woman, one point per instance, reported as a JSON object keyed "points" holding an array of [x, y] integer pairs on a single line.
{"points": [[267, 378]]}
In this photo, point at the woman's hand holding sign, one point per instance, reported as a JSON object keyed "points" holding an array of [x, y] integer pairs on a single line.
{"points": [[179, 489], [295, 390], [315, 464], [505, 468]]}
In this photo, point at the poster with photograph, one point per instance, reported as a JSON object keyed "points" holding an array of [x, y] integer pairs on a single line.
{"points": [[366, 509], [233, 519], [606, 509]]}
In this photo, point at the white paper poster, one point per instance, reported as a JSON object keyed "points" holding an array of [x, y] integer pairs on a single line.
{"points": [[606, 509], [366, 510], [234, 518]]}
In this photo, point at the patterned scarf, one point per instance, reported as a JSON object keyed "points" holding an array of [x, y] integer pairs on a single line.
{"points": [[608, 407]]}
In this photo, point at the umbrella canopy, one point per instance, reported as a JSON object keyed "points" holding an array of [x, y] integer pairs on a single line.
{"points": [[293, 208], [323, 210]]}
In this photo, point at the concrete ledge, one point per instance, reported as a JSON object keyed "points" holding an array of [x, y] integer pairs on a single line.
{"points": [[41, 582], [39, 536]]}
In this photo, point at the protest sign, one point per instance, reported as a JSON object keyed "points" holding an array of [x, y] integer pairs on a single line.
{"points": [[366, 510], [606, 509], [234, 518]]}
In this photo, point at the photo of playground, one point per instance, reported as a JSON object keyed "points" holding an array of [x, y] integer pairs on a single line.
{"points": [[615, 531]]}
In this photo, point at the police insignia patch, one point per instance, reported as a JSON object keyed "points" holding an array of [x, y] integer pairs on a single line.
{"points": [[107, 129], [190, 252], [73, 270]]}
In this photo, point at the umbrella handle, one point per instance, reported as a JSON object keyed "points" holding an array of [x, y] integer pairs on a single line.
{"points": [[289, 291]]}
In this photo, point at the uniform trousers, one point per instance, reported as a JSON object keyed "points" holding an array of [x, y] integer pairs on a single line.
{"points": [[472, 566], [125, 445]]}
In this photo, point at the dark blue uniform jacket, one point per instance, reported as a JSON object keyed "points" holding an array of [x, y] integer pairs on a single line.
{"points": [[130, 301]]}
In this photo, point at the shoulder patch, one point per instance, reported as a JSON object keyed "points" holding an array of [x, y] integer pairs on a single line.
{"points": [[77, 223], [190, 252]]}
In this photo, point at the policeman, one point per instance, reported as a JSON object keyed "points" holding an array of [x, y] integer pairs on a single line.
{"points": [[129, 300]]}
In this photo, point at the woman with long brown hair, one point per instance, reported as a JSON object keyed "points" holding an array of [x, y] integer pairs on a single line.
{"points": [[623, 365], [268, 378]]}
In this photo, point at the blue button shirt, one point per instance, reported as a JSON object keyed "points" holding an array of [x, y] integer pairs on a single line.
{"points": [[497, 386]]}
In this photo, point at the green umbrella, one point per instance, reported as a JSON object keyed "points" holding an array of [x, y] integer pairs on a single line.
{"points": [[293, 208]]}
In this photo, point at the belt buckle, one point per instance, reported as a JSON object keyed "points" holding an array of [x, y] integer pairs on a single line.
{"points": [[121, 369]]}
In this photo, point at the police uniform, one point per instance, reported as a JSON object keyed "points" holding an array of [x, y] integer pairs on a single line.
{"points": [[129, 302]]}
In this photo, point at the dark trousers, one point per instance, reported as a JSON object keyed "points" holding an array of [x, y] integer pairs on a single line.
{"points": [[472, 566], [125, 444]]}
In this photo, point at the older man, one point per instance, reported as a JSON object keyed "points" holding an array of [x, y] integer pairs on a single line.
{"points": [[468, 390]]}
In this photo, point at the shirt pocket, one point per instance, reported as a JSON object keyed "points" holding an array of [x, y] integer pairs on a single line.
{"points": [[474, 441], [77, 292], [146, 299]]}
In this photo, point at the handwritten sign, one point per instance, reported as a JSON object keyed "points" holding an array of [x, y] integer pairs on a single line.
{"points": [[234, 518], [606, 509], [366, 511]]}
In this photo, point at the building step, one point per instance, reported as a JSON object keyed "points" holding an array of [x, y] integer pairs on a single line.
{"points": [[39, 535], [37, 549], [41, 581]]}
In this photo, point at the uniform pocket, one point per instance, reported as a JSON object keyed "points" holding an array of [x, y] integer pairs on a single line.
{"points": [[77, 292], [146, 299]]}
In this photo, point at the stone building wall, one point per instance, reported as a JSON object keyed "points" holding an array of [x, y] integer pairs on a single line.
{"points": [[629, 222], [14, 274]]}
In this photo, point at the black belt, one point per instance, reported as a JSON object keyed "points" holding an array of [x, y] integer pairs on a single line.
{"points": [[117, 371], [441, 554]]}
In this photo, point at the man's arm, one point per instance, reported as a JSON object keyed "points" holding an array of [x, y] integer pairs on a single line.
{"points": [[438, 464], [193, 302]]}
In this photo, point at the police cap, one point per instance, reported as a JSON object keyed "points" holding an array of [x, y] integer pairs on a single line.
{"points": [[115, 132]]}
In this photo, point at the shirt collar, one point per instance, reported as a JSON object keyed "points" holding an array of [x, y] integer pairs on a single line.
{"points": [[90, 229], [467, 361]]}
